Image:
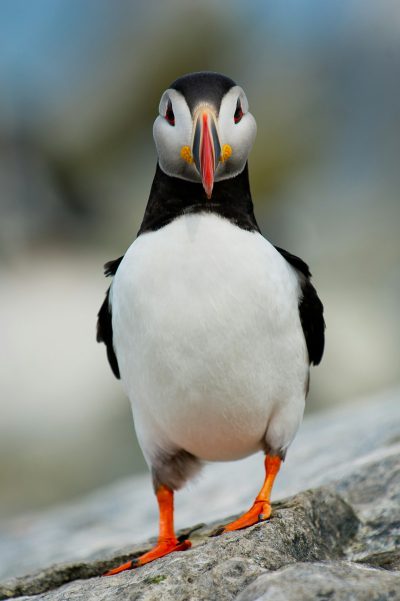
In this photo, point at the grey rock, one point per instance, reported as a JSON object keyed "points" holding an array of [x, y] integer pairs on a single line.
{"points": [[325, 449], [338, 540], [372, 488], [311, 526], [388, 560], [333, 581]]}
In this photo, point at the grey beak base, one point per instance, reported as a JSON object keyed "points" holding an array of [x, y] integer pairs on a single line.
{"points": [[196, 145], [197, 142]]}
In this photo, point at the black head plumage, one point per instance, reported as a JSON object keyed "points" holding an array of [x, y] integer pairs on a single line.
{"points": [[204, 85]]}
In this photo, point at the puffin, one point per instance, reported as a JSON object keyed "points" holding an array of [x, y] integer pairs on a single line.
{"points": [[210, 327]]}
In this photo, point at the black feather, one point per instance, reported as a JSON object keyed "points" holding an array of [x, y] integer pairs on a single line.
{"points": [[296, 262], [110, 268], [204, 86], [171, 197], [312, 320], [104, 320], [311, 309]]}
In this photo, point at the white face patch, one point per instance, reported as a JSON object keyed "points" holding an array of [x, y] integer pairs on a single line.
{"points": [[240, 136], [170, 139]]}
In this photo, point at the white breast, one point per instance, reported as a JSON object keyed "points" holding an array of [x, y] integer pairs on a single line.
{"points": [[208, 339]]}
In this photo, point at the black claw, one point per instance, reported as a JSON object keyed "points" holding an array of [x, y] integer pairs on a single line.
{"points": [[217, 531], [133, 562], [187, 532]]}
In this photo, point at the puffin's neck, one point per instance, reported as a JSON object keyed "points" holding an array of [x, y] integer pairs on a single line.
{"points": [[171, 197]]}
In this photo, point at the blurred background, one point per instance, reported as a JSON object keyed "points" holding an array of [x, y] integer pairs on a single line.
{"points": [[79, 89]]}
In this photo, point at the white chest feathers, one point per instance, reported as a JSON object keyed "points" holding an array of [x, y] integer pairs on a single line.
{"points": [[208, 339]]}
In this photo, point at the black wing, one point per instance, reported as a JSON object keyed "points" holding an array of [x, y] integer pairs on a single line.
{"points": [[104, 321], [310, 308]]}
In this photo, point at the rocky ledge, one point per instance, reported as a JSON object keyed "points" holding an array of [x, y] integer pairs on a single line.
{"points": [[339, 540]]}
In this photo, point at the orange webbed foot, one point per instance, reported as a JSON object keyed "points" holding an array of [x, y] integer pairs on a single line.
{"points": [[259, 512], [261, 508], [160, 550]]}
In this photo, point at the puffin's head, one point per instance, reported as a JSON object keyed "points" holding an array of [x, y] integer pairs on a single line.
{"points": [[204, 131]]}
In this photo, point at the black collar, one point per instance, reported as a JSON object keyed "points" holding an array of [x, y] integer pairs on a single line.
{"points": [[171, 197]]}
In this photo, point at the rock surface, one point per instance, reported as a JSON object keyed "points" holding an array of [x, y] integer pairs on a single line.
{"points": [[337, 580], [338, 541]]}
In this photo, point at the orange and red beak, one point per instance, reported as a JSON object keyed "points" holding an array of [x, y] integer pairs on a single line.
{"points": [[206, 147]]}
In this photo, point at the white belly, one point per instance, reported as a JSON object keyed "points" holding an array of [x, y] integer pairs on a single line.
{"points": [[208, 339]]}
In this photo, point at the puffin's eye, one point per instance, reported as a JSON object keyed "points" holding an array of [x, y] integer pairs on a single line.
{"points": [[169, 115], [238, 113]]}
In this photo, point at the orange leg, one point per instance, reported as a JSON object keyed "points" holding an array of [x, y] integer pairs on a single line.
{"points": [[167, 541], [261, 509]]}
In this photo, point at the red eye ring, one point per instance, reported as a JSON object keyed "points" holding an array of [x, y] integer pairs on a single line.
{"points": [[169, 114], [238, 112]]}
